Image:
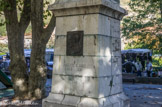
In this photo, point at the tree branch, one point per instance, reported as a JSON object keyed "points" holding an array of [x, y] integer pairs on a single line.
{"points": [[48, 31], [25, 16], [37, 16], [10, 12]]}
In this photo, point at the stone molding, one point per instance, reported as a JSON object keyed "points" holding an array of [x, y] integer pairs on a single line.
{"points": [[83, 7]]}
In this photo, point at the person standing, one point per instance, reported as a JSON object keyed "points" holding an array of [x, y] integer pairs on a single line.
{"points": [[148, 68], [144, 58], [123, 58], [150, 56], [128, 67], [138, 68]]}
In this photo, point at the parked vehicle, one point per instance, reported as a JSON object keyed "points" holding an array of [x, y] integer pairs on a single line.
{"points": [[48, 58], [27, 52]]}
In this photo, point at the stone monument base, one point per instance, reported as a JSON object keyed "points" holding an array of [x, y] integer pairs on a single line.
{"points": [[59, 100], [87, 70]]}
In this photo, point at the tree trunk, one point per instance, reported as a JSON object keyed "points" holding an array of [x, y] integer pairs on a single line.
{"points": [[15, 33], [17, 65], [16, 49], [40, 37], [37, 78]]}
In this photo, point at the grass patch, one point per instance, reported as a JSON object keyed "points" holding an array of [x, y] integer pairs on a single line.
{"points": [[2, 53]]}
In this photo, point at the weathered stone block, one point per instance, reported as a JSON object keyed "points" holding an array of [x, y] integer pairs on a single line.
{"points": [[55, 98], [115, 28], [82, 86], [86, 23], [116, 66], [116, 47], [60, 45], [104, 87], [82, 66], [98, 45], [104, 23], [79, 86], [118, 100], [90, 45], [111, 101], [71, 100], [117, 79]]}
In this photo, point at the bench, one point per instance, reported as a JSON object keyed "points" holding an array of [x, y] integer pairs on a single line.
{"points": [[127, 77]]}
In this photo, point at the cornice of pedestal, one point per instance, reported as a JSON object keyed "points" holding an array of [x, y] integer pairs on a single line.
{"points": [[83, 7]]}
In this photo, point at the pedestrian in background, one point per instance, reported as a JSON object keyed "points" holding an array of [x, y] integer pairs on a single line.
{"points": [[138, 68], [148, 67]]}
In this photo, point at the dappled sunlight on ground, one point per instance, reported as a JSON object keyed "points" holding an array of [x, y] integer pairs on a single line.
{"points": [[13, 103], [144, 95], [6, 98], [141, 95]]}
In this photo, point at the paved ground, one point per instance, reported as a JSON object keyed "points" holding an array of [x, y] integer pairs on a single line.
{"points": [[141, 95], [144, 95]]}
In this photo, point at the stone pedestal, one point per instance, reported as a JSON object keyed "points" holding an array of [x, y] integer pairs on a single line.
{"points": [[87, 61]]}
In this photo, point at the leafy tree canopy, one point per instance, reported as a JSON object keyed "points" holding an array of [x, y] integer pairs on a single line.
{"points": [[143, 26], [20, 4]]}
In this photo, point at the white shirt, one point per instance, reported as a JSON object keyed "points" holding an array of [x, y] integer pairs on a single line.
{"points": [[138, 66], [148, 66]]}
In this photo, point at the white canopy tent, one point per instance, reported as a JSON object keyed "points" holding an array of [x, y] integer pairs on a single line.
{"points": [[136, 51]]}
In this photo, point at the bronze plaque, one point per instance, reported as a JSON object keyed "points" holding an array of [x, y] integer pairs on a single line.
{"points": [[74, 43]]}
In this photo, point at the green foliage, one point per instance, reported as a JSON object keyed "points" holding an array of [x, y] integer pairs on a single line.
{"points": [[3, 48], [2, 53], [143, 26], [20, 3], [28, 30], [157, 62], [46, 13], [2, 20], [2, 30]]}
